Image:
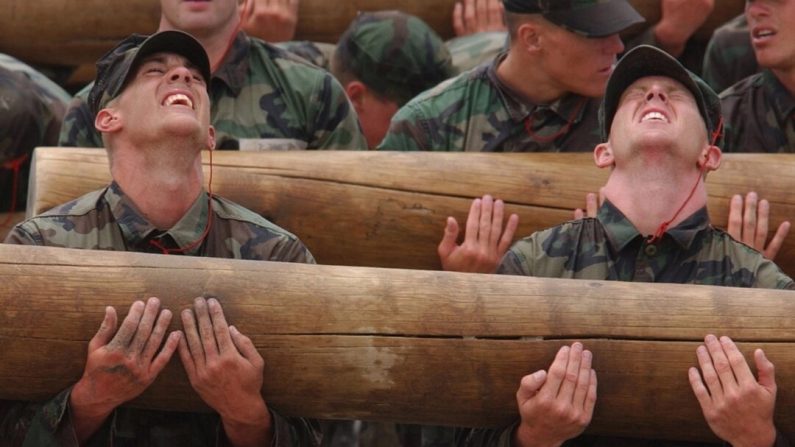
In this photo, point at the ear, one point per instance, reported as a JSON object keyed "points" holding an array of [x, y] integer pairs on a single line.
{"points": [[710, 158], [356, 92], [529, 36], [603, 156], [211, 138], [108, 120]]}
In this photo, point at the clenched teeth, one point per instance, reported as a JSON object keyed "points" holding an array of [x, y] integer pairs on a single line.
{"points": [[654, 116], [178, 99]]}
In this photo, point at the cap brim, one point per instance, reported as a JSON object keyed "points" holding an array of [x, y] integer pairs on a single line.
{"points": [[176, 42], [598, 19], [641, 62]]}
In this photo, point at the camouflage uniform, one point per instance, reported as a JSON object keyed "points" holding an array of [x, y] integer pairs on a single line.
{"points": [[262, 98], [730, 56], [759, 114], [107, 220], [477, 112], [31, 110], [475, 49], [609, 247]]}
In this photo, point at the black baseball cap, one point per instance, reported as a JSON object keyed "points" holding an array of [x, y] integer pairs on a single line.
{"points": [[115, 67], [590, 18]]}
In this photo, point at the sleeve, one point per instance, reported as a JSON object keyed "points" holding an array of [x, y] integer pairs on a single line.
{"points": [[335, 123], [482, 437], [515, 261], [298, 432], [47, 424], [78, 125], [20, 235]]}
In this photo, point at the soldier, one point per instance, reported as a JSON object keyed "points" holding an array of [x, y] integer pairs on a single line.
{"points": [[539, 96], [760, 108], [263, 97], [31, 110], [153, 110], [383, 60], [662, 130], [730, 56]]}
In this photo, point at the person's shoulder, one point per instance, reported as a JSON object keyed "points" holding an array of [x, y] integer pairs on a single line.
{"points": [[234, 212], [65, 217], [467, 86], [744, 258], [288, 61], [743, 87]]}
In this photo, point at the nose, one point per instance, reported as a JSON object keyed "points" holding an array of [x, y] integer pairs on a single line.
{"points": [[180, 73], [612, 44], [656, 92], [755, 8]]}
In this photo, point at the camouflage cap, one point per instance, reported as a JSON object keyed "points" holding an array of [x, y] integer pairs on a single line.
{"points": [[395, 54], [590, 18], [646, 60], [115, 67]]}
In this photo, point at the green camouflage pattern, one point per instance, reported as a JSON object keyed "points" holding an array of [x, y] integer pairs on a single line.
{"points": [[395, 54], [107, 219], [476, 49], [316, 53], [729, 56], [31, 111], [759, 114], [50, 427], [477, 112], [609, 247], [261, 97]]}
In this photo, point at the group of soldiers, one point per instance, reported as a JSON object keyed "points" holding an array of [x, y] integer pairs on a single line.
{"points": [[524, 75]]}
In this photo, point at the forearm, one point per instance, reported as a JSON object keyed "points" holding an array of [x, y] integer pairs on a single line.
{"points": [[523, 437], [250, 428], [87, 416]]}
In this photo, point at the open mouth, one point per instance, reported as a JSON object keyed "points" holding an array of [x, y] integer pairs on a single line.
{"points": [[654, 116], [760, 34], [178, 99]]}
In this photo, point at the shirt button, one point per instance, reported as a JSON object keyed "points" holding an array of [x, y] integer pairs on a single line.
{"points": [[650, 250]]}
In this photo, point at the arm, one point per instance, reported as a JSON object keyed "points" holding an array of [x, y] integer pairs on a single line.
{"points": [[485, 241], [271, 20], [478, 16], [226, 371], [737, 407], [751, 226]]}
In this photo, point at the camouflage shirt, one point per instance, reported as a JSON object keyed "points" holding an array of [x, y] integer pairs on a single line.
{"points": [[609, 247], [730, 56], [759, 115], [31, 110], [475, 49], [108, 220], [477, 112], [262, 97]]}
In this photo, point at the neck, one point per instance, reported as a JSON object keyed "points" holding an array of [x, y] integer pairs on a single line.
{"points": [[532, 84], [787, 79], [648, 199], [162, 184]]}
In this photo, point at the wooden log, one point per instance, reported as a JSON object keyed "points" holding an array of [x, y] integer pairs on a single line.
{"points": [[388, 209], [66, 32], [397, 345]]}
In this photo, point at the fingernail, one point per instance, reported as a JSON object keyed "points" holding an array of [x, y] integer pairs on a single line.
{"points": [[587, 355], [233, 329], [710, 338]]}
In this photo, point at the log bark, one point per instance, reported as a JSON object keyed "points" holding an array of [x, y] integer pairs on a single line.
{"points": [[388, 209], [398, 345], [66, 32]]}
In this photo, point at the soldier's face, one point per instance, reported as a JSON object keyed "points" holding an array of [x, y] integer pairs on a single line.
{"points": [[199, 17], [772, 27], [167, 98], [658, 118], [576, 63]]}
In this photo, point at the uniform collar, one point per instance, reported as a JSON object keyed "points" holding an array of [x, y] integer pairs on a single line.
{"points": [[137, 230], [519, 108], [233, 71], [780, 97], [621, 232]]}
